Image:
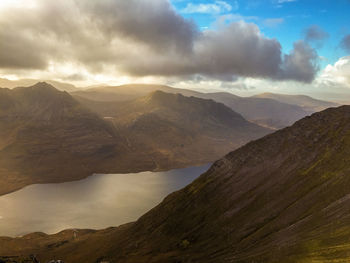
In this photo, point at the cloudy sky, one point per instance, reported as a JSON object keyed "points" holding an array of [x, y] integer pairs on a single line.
{"points": [[246, 47]]}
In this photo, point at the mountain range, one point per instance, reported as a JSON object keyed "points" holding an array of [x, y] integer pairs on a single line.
{"points": [[270, 110], [306, 102], [48, 136], [282, 198], [10, 84]]}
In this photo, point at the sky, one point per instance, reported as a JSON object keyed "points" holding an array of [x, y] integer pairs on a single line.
{"points": [[244, 47]]}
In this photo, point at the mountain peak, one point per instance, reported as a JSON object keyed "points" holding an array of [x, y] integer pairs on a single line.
{"points": [[191, 106], [171, 99], [6, 83], [42, 85], [41, 101], [40, 88]]}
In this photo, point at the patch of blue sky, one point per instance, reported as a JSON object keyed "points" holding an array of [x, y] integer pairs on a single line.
{"points": [[285, 20]]}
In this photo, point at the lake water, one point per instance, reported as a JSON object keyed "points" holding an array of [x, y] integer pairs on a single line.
{"points": [[98, 201]]}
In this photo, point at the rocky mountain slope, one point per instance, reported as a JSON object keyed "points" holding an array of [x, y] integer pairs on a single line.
{"points": [[282, 198], [182, 128]]}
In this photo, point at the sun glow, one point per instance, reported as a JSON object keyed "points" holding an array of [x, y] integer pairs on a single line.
{"points": [[4, 4]]}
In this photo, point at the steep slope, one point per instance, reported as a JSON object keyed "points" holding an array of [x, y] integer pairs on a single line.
{"points": [[283, 198], [178, 127], [264, 111], [306, 102]]}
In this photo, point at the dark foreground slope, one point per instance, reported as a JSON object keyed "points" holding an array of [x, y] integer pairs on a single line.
{"points": [[283, 198]]}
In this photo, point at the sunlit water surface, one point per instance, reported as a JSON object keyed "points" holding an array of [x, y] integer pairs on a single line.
{"points": [[96, 202]]}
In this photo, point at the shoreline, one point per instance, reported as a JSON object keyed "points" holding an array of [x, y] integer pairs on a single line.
{"points": [[121, 171], [53, 229]]}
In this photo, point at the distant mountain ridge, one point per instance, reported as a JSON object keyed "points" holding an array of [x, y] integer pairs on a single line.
{"points": [[269, 112], [6, 83], [306, 102]]}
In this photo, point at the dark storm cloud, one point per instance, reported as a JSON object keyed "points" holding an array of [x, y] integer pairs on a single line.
{"points": [[19, 50], [301, 63], [152, 22], [238, 49], [315, 33], [142, 38], [345, 43], [93, 32]]}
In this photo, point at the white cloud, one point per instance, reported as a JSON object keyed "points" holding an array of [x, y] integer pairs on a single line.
{"points": [[338, 73], [217, 7]]}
